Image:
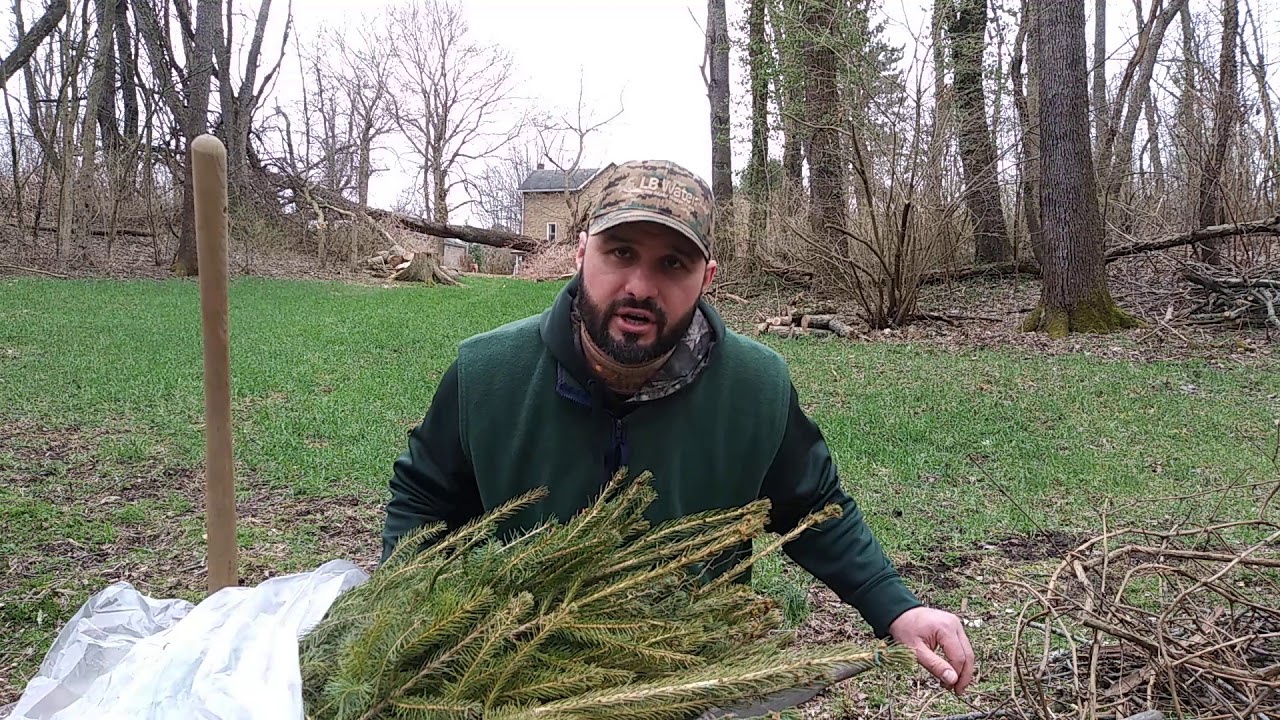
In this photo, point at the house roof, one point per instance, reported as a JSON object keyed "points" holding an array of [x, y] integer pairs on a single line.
{"points": [[554, 180]]}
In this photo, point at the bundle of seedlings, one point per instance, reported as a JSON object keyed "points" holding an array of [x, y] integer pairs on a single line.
{"points": [[601, 616]]}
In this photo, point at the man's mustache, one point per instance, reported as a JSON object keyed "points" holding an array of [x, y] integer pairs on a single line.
{"points": [[659, 317]]}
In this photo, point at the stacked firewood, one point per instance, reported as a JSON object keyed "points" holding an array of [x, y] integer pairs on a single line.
{"points": [[822, 322]]}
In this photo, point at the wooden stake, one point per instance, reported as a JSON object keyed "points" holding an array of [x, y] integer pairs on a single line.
{"points": [[209, 173]]}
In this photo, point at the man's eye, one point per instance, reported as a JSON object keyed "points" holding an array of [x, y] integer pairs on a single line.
{"points": [[674, 263], [622, 253]]}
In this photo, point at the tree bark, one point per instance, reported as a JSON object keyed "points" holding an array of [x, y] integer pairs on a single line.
{"points": [[128, 69], [1122, 152], [827, 200], [1100, 113], [1027, 103], [968, 32], [199, 71], [757, 57], [1225, 108], [718, 92], [789, 84], [1074, 295], [30, 40]]}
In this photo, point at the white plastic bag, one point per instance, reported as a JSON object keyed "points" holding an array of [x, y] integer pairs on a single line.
{"points": [[232, 657]]}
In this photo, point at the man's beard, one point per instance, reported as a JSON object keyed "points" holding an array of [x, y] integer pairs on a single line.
{"points": [[628, 350]]}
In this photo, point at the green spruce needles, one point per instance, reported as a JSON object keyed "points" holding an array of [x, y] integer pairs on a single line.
{"points": [[600, 617]]}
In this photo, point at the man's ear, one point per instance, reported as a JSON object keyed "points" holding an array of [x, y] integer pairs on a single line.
{"points": [[708, 275], [582, 250]]}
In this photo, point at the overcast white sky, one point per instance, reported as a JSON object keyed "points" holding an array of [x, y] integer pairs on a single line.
{"points": [[640, 55], [644, 56]]}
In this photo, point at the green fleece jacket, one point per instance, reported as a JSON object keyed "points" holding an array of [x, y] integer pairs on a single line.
{"points": [[518, 409]]}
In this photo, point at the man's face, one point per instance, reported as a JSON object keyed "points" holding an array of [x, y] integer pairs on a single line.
{"points": [[640, 285]]}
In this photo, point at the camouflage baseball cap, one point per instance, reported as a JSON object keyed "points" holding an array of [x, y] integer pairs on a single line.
{"points": [[657, 191]]}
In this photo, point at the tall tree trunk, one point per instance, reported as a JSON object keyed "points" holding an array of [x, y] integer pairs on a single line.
{"points": [[1074, 295], [1100, 113], [758, 62], [1122, 153], [199, 80], [128, 70], [718, 92], [827, 203], [1271, 134], [1153, 141], [789, 84], [968, 34], [1225, 110], [440, 200], [101, 86], [1026, 100], [1190, 130]]}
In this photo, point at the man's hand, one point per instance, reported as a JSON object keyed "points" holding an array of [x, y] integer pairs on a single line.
{"points": [[923, 630]]}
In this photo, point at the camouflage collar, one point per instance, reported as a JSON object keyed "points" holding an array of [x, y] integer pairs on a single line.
{"points": [[687, 360]]}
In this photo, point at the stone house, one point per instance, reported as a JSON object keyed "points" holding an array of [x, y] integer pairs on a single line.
{"points": [[553, 206]]}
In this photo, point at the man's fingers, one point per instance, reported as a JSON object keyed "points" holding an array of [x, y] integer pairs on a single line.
{"points": [[971, 661], [936, 666], [959, 656]]}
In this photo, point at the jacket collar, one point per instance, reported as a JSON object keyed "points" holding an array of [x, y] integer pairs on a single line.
{"points": [[574, 380]]}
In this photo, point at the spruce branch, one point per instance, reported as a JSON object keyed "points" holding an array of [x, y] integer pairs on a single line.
{"points": [[599, 616]]}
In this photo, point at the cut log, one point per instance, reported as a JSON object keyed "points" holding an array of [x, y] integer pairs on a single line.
{"points": [[840, 328], [821, 322], [793, 331]]}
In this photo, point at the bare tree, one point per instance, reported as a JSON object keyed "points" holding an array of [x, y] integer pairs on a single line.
{"points": [[1116, 156], [562, 142], [185, 89], [238, 103], [1074, 296], [717, 82], [823, 117], [1225, 111], [1100, 69], [452, 91], [496, 189], [29, 40], [758, 56], [967, 35], [1026, 100]]}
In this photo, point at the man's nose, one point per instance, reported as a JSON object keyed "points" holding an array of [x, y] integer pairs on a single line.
{"points": [[641, 284]]}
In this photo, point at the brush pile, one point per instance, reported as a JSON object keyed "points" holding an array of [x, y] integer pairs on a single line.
{"points": [[601, 616], [1184, 620], [1240, 300]]}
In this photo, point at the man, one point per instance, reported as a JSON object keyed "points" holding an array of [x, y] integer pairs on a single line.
{"points": [[630, 367]]}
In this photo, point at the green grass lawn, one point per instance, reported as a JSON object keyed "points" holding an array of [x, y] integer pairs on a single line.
{"points": [[101, 439]]}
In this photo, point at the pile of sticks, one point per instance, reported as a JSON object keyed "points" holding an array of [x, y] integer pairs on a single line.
{"points": [[1243, 300], [821, 323], [1184, 620]]}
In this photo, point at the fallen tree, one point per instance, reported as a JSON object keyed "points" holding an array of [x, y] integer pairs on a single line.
{"points": [[465, 233], [1265, 226]]}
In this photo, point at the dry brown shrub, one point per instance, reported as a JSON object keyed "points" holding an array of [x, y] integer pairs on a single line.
{"points": [[550, 262]]}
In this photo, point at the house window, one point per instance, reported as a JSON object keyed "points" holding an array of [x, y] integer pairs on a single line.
{"points": [[551, 232]]}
